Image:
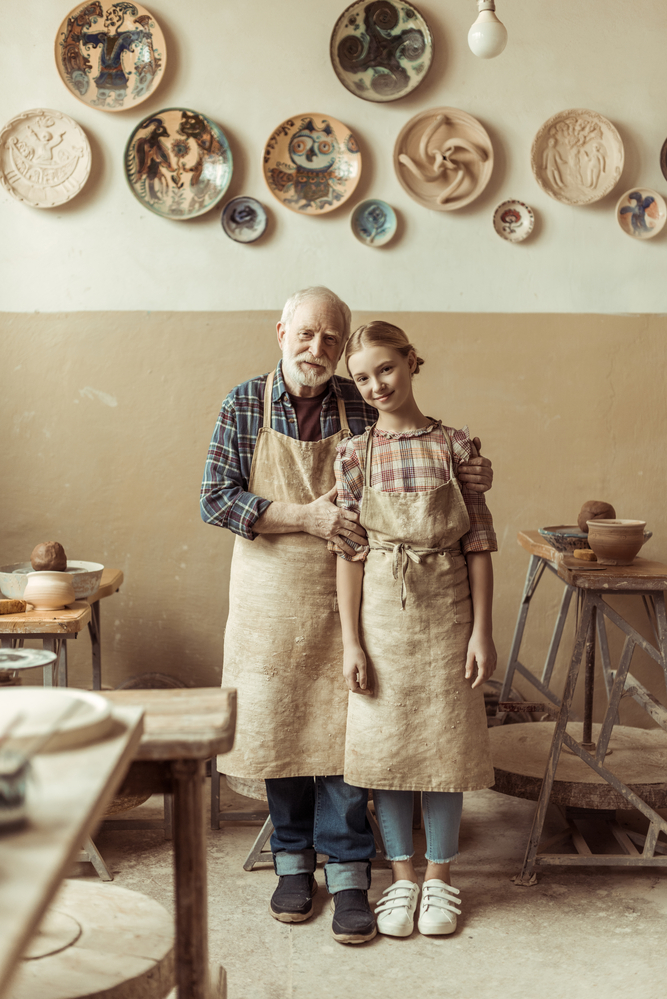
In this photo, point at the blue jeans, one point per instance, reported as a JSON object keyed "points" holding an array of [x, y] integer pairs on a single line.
{"points": [[321, 815], [442, 818]]}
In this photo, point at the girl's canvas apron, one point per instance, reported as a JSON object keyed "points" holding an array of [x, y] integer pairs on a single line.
{"points": [[424, 728], [283, 648]]}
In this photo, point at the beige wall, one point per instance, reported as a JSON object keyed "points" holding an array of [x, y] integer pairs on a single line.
{"points": [[107, 418]]}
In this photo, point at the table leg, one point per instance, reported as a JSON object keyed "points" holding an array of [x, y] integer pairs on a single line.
{"points": [[53, 645], [94, 628], [589, 685]]}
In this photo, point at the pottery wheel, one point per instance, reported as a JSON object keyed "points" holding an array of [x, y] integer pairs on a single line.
{"points": [[638, 759], [57, 931], [124, 947]]}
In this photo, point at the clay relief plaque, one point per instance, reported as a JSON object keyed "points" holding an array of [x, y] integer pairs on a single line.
{"points": [[577, 157], [44, 158]]}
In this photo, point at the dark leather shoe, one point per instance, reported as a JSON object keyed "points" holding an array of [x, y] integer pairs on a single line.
{"points": [[292, 901], [353, 921]]}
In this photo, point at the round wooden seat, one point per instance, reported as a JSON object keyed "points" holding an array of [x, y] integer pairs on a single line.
{"points": [[638, 758]]}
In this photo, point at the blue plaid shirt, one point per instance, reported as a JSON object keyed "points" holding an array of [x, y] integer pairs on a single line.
{"points": [[225, 500]]}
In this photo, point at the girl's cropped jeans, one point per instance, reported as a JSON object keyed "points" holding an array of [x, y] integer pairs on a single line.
{"points": [[442, 818]]}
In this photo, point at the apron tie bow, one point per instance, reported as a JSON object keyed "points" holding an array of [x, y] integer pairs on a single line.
{"points": [[402, 554]]}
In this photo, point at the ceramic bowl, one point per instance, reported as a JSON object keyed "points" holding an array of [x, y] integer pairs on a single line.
{"points": [[381, 51], [86, 578], [641, 213], [564, 538], [44, 158], [513, 221], [373, 222], [244, 220], [616, 542]]}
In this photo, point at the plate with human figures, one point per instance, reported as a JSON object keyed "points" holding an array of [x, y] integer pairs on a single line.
{"points": [[110, 57], [44, 158], [577, 157], [380, 50]]}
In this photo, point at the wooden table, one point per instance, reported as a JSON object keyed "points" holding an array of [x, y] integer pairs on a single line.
{"points": [[56, 628], [182, 729], [647, 580], [71, 791]]}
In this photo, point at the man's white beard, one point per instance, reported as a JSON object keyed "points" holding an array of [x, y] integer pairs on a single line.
{"points": [[304, 376]]}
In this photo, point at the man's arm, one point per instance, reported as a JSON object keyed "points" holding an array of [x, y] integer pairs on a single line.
{"points": [[321, 517], [477, 473]]}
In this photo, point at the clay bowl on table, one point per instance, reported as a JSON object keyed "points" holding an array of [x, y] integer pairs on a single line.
{"points": [[564, 538], [86, 578], [616, 542]]}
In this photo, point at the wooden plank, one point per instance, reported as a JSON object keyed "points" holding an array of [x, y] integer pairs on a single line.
{"points": [[110, 582], [651, 705], [534, 543], [69, 621]]}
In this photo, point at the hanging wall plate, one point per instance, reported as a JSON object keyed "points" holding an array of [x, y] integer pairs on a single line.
{"points": [[641, 213], [443, 158], [44, 158], [112, 57], [381, 51], [513, 221], [373, 222], [244, 220], [312, 163], [663, 159], [577, 157], [178, 163]]}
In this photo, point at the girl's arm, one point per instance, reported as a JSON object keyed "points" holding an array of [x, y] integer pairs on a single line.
{"points": [[481, 650], [349, 580]]}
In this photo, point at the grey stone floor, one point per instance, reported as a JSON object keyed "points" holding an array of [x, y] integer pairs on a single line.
{"points": [[577, 933]]}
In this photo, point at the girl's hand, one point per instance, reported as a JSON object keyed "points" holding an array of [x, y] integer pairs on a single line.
{"points": [[354, 670], [481, 657]]}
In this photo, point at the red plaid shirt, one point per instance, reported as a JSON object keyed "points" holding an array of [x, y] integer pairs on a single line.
{"points": [[412, 462]]}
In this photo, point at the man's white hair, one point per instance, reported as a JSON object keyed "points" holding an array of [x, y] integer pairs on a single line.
{"points": [[323, 295]]}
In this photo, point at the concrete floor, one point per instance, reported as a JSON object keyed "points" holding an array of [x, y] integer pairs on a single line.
{"points": [[577, 933]]}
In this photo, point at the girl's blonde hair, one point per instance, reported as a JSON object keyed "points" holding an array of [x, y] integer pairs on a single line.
{"points": [[380, 334]]}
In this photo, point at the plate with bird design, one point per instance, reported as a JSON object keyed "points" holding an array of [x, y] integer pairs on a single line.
{"points": [[312, 163], [641, 213], [380, 50], [178, 163], [110, 57]]}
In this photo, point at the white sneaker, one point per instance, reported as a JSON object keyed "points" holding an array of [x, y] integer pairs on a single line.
{"points": [[396, 909], [437, 913]]}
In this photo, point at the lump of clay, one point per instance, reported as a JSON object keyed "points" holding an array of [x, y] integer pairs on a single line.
{"points": [[595, 510], [49, 556]]}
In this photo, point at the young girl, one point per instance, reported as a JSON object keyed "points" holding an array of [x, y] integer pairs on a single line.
{"points": [[415, 611]]}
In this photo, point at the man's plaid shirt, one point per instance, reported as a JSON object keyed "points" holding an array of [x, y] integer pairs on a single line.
{"points": [[225, 500]]}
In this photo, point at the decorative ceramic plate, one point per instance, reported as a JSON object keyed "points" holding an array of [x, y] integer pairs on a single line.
{"points": [[374, 222], [44, 158], [79, 716], [513, 221], [178, 163], [312, 163], [443, 158], [641, 213], [244, 219], [15, 659], [111, 57], [663, 159], [381, 51], [577, 157]]}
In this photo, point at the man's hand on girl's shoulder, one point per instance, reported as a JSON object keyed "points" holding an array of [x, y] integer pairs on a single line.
{"points": [[477, 473]]}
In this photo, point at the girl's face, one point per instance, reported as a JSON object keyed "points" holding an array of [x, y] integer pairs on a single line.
{"points": [[383, 376]]}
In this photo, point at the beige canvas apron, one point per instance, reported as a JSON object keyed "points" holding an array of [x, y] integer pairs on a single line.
{"points": [[424, 728], [283, 649]]}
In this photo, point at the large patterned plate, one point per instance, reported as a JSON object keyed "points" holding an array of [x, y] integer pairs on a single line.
{"points": [[577, 156], [312, 163], [112, 57], [44, 158], [178, 163], [381, 51]]}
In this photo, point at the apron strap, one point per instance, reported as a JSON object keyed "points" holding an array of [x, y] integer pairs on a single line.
{"points": [[369, 458], [268, 392], [342, 415]]}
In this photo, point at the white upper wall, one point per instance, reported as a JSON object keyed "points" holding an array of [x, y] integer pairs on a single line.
{"points": [[249, 65]]}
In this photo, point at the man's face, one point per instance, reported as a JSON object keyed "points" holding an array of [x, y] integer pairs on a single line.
{"points": [[311, 342]]}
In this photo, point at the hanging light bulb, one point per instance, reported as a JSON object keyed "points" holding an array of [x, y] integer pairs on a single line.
{"points": [[488, 36]]}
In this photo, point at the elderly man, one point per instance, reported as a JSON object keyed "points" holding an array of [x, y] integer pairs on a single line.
{"points": [[269, 478]]}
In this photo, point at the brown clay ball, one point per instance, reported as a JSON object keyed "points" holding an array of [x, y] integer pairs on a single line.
{"points": [[595, 510], [49, 556]]}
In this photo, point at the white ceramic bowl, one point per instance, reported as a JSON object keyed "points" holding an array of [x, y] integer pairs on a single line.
{"points": [[86, 578]]}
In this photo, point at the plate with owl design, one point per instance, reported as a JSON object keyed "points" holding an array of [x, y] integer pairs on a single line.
{"points": [[380, 50], [110, 56], [312, 163], [44, 158], [178, 163], [374, 222], [244, 219], [641, 213], [513, 221]]}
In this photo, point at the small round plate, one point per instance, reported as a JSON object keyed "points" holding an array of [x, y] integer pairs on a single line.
{"points": [[577, 156], [112, 57], [576, 563], [381, 51], [15, 659], [244, 219], [178, 163], [641, 213], [373, 222], [44, 158], [513, 221], [312, 163], [443, 158]]}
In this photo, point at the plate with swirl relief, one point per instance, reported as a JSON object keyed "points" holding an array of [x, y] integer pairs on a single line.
{"points": [[381, 51], [44, 158], [110, 57], [577, 157]]}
